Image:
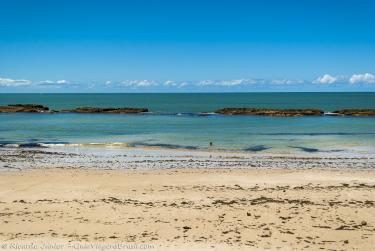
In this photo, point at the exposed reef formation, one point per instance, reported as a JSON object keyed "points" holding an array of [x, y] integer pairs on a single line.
{"points": [[106, 110], [35, 108], [270, 112], [24, 108], [356, 112]]}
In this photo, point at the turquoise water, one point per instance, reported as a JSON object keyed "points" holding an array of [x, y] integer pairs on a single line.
{"points": [[174, 122]]}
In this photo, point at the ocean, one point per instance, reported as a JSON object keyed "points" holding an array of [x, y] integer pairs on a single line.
{"points": [[174, 122]]}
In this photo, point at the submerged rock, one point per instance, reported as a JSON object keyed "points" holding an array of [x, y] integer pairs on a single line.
{"points": [[257, 148], [106, 110], [270, 112], [356, 112], [24, 108], [306, 149]]}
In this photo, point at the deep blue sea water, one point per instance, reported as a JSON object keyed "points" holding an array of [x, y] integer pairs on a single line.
{"points": [[174, 122]]}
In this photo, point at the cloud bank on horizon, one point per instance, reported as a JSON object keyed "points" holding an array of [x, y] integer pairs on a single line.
{"points": [[340, 82]]}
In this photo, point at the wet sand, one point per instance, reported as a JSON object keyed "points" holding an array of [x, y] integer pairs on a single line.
{"points": [[191, 209], [150, 158]]}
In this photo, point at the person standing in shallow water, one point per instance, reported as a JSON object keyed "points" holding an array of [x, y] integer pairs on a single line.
{"points": [[211, 144]]}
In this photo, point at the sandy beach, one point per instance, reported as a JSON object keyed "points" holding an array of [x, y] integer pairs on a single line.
{"points": [[187, 125], [190, 208]]}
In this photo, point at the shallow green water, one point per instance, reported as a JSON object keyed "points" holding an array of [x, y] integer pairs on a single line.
{"points": [[174, 122]]}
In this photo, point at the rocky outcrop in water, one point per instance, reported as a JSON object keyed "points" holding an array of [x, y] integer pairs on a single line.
{"points": [[356, 112], [106, 110], [24, 108], [270, 112]]}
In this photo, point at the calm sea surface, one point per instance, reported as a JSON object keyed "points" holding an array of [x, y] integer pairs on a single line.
{"points": [[174, 122]]}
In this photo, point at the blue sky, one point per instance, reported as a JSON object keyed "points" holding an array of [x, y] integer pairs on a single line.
{"points": [[186, 46]]}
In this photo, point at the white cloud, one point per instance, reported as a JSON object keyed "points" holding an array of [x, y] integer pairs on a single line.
{"points": [[230, 83], [286, 82], [182, 84], [325, 79], [206, 82], [47, 82], [7, 82], [234, 82], [171, 83], [366, 78], [138, 83], [62, 82], [54, 83]]}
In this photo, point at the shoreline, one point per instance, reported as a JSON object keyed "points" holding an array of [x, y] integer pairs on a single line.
{"points": [[354, 151], [142, 145], [191, 209], [148, 158]]}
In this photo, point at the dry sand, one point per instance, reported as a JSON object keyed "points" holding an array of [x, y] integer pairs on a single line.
{"points": [[190, 209]]}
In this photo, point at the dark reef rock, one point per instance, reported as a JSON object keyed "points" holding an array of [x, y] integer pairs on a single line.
{"points": [[270, 112], [257, 148], [24, 108], [106, 110], [356, 112], [306, 149]]}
